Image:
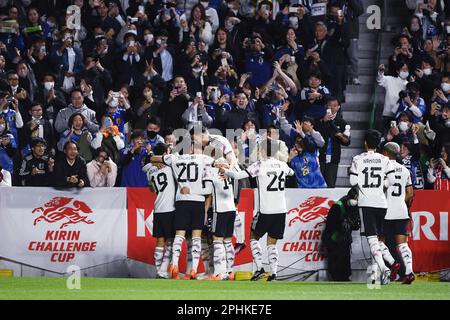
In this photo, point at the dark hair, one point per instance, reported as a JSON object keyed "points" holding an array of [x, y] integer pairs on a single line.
{"points": [[69, 142], [353, 193], [77, 89], [36, 103], [332, 98], [154, 120], [197, 128], [372, 138], [72, 117], [97, 151], [308, 119], [137, 134], [160, 148], [202, 11], [36, 141]]}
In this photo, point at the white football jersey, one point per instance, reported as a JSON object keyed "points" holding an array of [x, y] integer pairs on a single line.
{"points": [[369, 169], [221, 190], [220, 143], [395, 194], [165, 187], [270, 175], [189, 171]]}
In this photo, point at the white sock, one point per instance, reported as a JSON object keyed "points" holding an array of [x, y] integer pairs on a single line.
{"points": [[239, 231], [219, 257], [256, 253], [176, 250], [158, 255], [196, 252], [206, 256], [406, 254], [188, 255], [167, 257], [272, 252], [386, 253], [229, 249], [376, 252]]}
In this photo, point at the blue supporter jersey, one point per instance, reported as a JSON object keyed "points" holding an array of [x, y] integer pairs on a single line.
{"points": [[118, 118], [132, 174], [307, 171], [10, 116]]}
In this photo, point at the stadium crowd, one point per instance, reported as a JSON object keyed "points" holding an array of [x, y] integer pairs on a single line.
{"points": [[87, 93], [416, 112]]}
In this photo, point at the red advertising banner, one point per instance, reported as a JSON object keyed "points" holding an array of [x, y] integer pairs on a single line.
{"points": [[141, 243], [429, 237]]}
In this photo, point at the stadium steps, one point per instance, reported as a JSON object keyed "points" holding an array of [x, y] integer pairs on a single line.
{"points": [[358, 105]]}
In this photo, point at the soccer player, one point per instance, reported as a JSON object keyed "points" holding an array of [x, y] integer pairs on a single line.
{"points": [[189, 202], [368, 171], [163, 183], [222, 226], [270, 175], [397, 218]]}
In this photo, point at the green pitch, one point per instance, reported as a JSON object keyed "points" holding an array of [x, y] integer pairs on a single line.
{"points": [[100, 288]]}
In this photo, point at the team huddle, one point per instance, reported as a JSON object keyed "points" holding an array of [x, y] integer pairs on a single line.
{"points": [[197, 196]]}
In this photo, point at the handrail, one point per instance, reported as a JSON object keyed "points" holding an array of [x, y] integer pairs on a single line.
{"points": [[377, 62]]}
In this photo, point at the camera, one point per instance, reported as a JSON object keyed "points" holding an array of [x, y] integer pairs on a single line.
{"points": [[133, 20], [10, 99]]}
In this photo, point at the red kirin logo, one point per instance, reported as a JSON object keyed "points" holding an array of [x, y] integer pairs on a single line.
{"points": [[58, 209], [311, 209]]}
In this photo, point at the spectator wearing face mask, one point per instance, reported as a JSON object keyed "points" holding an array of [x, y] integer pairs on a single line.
{"points": [[427, 78], [441, 95], [163, 55], [131, 61], [440, 124], [439, 170], [393, 86], [39, 59], [151, 135], [68, 60], [52, 98], [403, 130]]}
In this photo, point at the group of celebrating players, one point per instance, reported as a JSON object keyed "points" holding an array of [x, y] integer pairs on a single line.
{"points": [[197, 196]]}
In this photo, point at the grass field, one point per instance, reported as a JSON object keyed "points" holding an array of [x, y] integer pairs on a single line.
{"points": [[105, 289]]}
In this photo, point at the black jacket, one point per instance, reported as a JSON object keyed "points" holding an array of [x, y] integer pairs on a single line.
{"points": [[328, 131], [38, 180], [63, 170]]}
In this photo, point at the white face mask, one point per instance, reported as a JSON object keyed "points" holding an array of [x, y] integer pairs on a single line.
{"points": [[403, 75], [403, 126], [293, 21], [352, 202], [148, 37], [49, 85], [445, 87], [448, 29], [427, 71]]}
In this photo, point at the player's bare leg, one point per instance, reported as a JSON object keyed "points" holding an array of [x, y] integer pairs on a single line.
{"points": [[229, 254], [406, 254], [176, 252]]}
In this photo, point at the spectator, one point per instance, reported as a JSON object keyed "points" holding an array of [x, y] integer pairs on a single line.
{"points": [[439, 171], [79, 134], [10, 109], [257, 61], [52, 99], [175, 104], [132, 161], [411, 101], [313, 98], [5, 178], [393, 86], [102, 171], [196, 113], [336, 134], [151, 135], [77, 106], [234, 118], [37, 127], [37, 167], [403, 130], [119, 109], [162, 55], [248, 144], [273, 133], [109, 138], [70, 170], [410, 156], [303, 160], [8, 146], [440, 124], [149, 108]]}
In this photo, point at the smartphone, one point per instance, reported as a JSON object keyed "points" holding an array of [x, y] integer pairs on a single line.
{"points": [[199, 94], [107, 122], [133, 20], [393, 124]]}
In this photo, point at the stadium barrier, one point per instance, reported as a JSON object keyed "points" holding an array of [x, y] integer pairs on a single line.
{"points": [[110, 231]]}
